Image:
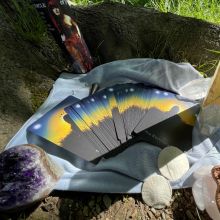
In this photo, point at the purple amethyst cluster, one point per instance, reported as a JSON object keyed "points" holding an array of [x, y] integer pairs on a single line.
{"points": [[21, 176]]}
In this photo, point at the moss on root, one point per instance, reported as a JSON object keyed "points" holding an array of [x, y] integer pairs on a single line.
{"points": [[39, 87], [37, 99]]}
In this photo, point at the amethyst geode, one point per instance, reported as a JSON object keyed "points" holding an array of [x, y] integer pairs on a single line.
{"points": [[27, 175]]}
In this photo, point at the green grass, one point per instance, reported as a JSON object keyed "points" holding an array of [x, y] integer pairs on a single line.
{"points": [[25, 20], [208, 10], [202, 9], [27, 23]]}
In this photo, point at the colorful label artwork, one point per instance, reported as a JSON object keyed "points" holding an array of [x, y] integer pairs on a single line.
{"points": [[57, 14]]}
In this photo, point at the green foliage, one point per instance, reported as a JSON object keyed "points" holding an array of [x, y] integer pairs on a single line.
{"points": [[210, 65], [208, 10], [202, 9], [207, 67], [25, 20]]}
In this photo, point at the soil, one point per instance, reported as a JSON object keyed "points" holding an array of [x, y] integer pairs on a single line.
{"points": [[26, 77]]}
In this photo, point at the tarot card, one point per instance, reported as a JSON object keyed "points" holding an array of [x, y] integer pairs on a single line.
{"points": [[106, 123], [117, 118], [163, 105], [56, 127], [132, 100], [101, 95], [97, 114], [141, 101], [123, 98], [91, 120], [82, 143], [84, 128]]}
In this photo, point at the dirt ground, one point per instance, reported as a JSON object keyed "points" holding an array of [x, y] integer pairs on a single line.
{"points": [[26, 78]]}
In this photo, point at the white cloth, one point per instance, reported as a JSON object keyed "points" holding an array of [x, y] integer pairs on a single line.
{"points": [[125, 172]]}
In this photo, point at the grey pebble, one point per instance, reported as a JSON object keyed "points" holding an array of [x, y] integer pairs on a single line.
{"points": [[150, 214], [153, 210], [163, 216]]}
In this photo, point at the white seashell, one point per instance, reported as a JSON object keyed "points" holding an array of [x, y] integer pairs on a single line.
{"points": [[172, 163], [156, 191], [198, 194]]}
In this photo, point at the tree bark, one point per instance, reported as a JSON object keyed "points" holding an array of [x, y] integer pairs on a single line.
{"points": [[115, 31]]}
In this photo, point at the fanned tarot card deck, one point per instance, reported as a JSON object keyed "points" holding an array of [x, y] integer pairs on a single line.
{"points": [[115, 117]]}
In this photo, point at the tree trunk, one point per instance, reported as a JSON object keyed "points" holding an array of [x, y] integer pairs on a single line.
{"points": [[115, 31]]}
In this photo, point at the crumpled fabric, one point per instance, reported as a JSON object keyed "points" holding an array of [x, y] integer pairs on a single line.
{"points": [[125, 172]]}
